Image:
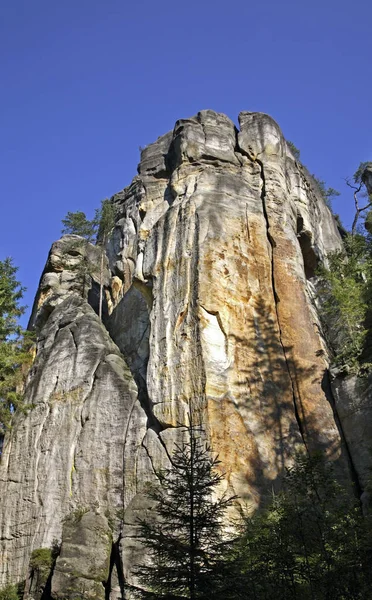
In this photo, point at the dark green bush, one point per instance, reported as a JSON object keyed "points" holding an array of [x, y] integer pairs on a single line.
{"points": [[41, 559]]}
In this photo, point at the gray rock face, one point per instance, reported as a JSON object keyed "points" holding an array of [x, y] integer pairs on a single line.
{"points": [[84, 561], [353, 396], [73, 267], [67, 453], [210, 308]]}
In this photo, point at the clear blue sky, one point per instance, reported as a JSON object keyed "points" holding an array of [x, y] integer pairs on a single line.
{"points": [[84, 83]]}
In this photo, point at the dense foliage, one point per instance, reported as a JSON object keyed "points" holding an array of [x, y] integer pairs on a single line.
{"points": [[105, 220], [41, 558], [346, 297], [310, 543], [9, 592], [97, 229], [15, 345], [77, 224], [346, 290]]}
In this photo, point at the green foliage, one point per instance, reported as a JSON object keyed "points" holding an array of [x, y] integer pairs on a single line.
{"points": [[368, 222], [9, 592], [41, 559], [77, 514], [346, 294], [99, 228], [77, 223], [185, 542], [11, 293], [310, 543], [105, 219], [15, 344], [328, 194], [295, 151]]}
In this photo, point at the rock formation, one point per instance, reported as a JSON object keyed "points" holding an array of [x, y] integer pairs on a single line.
{"points": [[209, 308]]}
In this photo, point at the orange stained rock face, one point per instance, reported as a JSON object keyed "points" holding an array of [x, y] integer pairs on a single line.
{"points": [[44, 295], [248, 387], [237, 448], [301, 340]]}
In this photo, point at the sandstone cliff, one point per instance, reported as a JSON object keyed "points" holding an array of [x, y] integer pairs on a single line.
{"points": [[209, 307]]}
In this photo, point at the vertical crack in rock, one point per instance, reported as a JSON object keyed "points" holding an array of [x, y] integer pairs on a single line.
{"points": [[37, 498], [276, 299], [71, 331], [115, 573], [327, 388], [143, 445], [125, 438]]}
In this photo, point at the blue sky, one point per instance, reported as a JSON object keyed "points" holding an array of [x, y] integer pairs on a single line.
{"points": [[84, 83]]}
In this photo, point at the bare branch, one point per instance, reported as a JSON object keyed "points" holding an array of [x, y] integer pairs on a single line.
{"points": [[367, 206], [353, 187], [358, 210]]}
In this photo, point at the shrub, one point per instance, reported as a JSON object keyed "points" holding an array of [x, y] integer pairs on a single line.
{"points": [[9, 592], [346, 295], [41, 559]]}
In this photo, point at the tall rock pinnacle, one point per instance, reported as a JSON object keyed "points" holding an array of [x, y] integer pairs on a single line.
{"points": [[210, 309]]}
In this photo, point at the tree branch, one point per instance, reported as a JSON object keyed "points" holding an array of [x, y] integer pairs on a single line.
{"points": [[358, 210]]}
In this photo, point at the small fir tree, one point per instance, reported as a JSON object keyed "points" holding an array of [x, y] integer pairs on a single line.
{"points": [[186, 543]]}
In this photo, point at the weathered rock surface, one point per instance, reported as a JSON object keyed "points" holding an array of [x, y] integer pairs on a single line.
{"points": [[72, 267], [353, 397], [84, 561], [67, 453], [210, 302], [215, 241]]}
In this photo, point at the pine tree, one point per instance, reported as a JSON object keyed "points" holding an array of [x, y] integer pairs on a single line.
{"points": [[11, 293], [76, 223], [15, 344], [186, 542]]}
